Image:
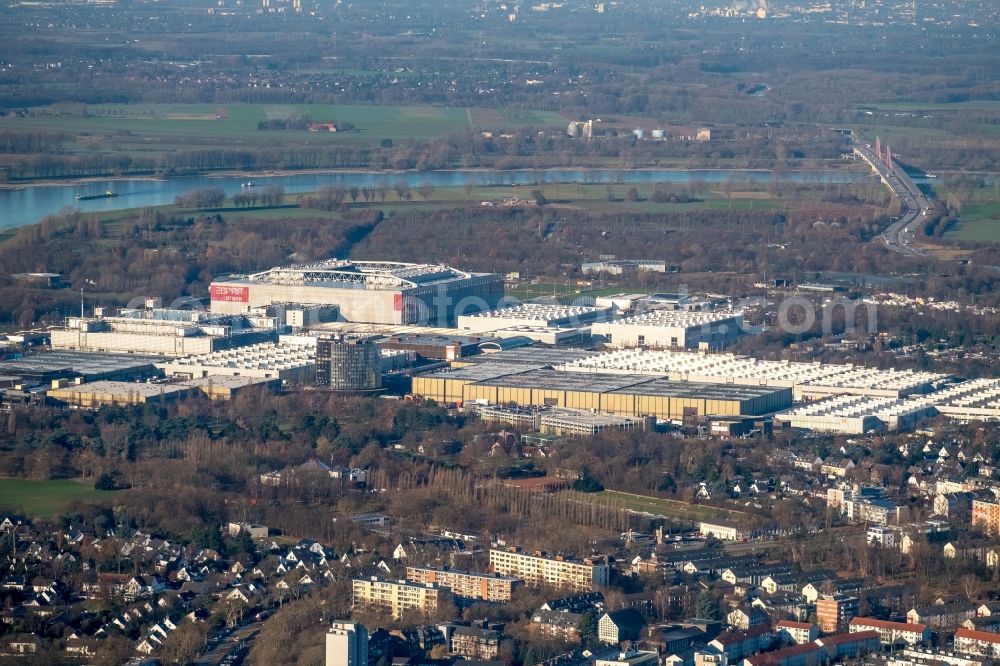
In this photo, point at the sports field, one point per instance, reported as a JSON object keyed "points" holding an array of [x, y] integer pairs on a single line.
{"points": [[42, 499], [657, 506], [205, 124]]}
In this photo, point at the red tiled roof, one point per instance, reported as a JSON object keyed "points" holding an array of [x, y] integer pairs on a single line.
{"points": [[886, 624], [837, 639], [792, 624], [974, 635], [774, 657]]}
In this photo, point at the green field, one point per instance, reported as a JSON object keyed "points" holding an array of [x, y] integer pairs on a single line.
{"points": [[978, 223], [666, 508], [133, 126], [47, 498], [592, 197]]}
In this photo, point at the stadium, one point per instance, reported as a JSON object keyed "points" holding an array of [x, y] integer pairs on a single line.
{"points": [[379, 292]]}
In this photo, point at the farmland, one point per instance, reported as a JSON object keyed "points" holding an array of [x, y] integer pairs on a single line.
{"points": [[978, 223], [138, 127]]}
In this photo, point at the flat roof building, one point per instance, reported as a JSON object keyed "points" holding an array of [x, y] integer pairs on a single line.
{"points": [[624, 266], [292, 361], [538, 568], [533, 315], [857, 414], [44, 367], [380, 292], [445, 347], [467, 584], [807, 380], [162, 332], [616, 394], [978, 399], [396, 596], [671, 329], [346, 644], [557, 421], [534, 356], [101, 393]]}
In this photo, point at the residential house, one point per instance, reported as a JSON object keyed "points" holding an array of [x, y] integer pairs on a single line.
{"points": [[989, 623], [255, 531], [475, 642], [736, 645], [561, 625], [22, 644], [783, 603], [796, 632], [747, 617], [954, 505], [577, 603], [780, 582], [838, 468], [938, 616], [625, 624], [249, 594], [753, 573], [139, 587]]}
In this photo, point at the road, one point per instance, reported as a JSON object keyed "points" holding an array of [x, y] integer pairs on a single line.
{"points": [[228, 643], [899, 236]]}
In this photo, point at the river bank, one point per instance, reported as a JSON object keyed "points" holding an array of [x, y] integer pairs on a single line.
{"points": [[804, 167], [31, 204]]}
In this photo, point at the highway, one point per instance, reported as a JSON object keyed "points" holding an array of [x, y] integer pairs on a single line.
{"points": [[899, 236]]}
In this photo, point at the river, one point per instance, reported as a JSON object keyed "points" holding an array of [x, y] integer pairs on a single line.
{"points": [[32, 203]]}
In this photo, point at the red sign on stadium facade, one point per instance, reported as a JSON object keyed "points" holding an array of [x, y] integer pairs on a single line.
{"points": [[226, 294], [397, 302]]}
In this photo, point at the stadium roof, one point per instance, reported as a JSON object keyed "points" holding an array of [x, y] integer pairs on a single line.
{"points": [[359, 274]]}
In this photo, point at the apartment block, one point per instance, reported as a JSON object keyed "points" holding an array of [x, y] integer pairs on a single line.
{"points": [[797, 632], [539, 568], [397, 596], [986, 516], [981, 643], [892, 633], [467, 584]]}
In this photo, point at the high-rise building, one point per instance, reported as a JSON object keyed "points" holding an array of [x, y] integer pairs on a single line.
{"points": [[834, 612], [347, 644], [348, 363]]}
